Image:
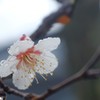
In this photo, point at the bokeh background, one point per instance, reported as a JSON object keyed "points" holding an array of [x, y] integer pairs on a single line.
{"points": [[79, 39]]}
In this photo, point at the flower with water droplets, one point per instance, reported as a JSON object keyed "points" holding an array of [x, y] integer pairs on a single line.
{"points": [[26, 59]]}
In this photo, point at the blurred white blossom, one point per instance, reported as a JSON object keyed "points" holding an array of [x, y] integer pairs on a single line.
{"points": [[26, 59]]}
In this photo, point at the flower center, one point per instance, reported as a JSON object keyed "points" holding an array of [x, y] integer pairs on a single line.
{"points": [[26, 58]]}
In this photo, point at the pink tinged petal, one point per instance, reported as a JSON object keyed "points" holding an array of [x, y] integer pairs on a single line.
{"points": [[46, 63], [7, 65], [20, 46], [22, 79], [48, 44], [24, 37], [37, 52]]}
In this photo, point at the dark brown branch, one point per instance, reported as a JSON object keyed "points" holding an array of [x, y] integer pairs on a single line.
{"points": [[50, 20], [84, 73], [71, 80], [93, 73], [2, 94], [61, 85], [10, 90]]}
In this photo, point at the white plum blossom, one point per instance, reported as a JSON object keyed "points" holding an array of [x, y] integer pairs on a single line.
{"points": [[26, 59]]}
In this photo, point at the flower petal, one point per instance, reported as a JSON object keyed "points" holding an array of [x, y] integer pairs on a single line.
{"points": [[20, 46], [48, 44], [22, 79], [7, 65], [46, 63]]}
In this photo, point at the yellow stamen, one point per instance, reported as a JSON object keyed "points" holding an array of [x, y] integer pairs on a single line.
{"points": [[29, 61]]}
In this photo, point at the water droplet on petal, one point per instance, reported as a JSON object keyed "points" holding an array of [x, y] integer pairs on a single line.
{"points": [[2, 62]]}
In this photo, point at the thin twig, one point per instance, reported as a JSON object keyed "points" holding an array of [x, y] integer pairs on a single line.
{"points": [[13, 91], [2, 94], [10, 90], [84, 73], [93, 73]]}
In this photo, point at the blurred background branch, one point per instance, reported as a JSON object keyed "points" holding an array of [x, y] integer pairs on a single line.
{"points": [[67, 9], [85, 73]]}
